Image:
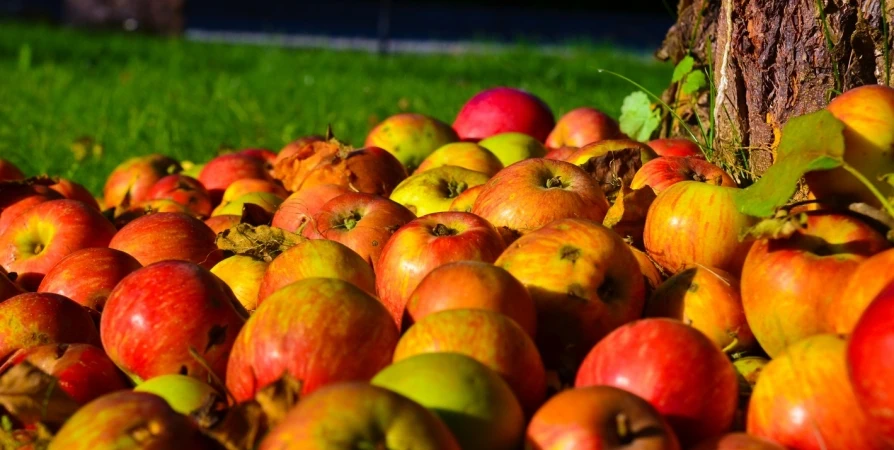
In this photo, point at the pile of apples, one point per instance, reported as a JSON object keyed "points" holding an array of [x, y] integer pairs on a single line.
{"points": [[506, 282]]}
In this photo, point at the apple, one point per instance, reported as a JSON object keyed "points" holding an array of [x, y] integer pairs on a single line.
{"points": [[184, 190], [661, 173], [583, 126], [435, 189], [319, 330], [184, 394], [599, 417], [358, 415], [870, 367], [131, 181], [583, 156], [33, 319], [463, 154], [475, 403], [692, 223], [74, 191], [156, 315], [168, 236], [9, 171], [218, 224], [295, 146], [512, 147], [219, 173], [263, 154], [298, 209], [18, 198], [651, 274], [425, 243], [501, 110], [804, 399], [707, 299], [737, 441], [362, 222], [317, 258], [789, 283], [484, 286], [561, 153], [530, 194], [40, 237], [868, 116], [88, 276], [243, 275], [673, 366], [410, 137], [676, 147], [83, 371], [250, 186], [8, 287], [466, 200], [267, 201], [128, 419], [585, 282], [866, 282]]}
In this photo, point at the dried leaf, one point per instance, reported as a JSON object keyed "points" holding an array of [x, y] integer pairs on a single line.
{"points": [[256, 215], [294, 170], [30, 395], [279, 398], [262, 242], [614, 169], [782, 225], [627, 216]]}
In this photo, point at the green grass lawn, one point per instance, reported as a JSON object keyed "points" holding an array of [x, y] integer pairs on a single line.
{"points": [[135, 95]]}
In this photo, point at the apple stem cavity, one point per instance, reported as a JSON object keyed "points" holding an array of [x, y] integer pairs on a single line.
{"points": [[443, 230], [622, 422], [554, 182], [454, 188], [351, 221]]}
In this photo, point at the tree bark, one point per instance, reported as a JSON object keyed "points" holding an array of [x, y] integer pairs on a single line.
{"points": [[770, 60]]}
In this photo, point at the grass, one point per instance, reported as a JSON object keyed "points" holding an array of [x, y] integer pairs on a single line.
{"points": [[134, 95]]}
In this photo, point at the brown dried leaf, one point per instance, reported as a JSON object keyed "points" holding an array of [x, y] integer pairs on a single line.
{"points": [[30, 395], [292, 171], [262, 242], [614, 169], [279, 398], [627, 216]]}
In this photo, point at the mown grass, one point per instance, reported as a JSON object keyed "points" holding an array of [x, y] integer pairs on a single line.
{"points": [[134, 95]]}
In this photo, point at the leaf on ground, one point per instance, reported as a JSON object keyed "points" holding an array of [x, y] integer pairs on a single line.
{"points": [[780, 226], [614, 169], [262, 242], [32, 396], [627, 216], [683, 68], [810, 142], [694, 82], [638, 119]]}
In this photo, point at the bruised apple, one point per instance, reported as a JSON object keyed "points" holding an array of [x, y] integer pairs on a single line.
{"points": [[33, 319]]}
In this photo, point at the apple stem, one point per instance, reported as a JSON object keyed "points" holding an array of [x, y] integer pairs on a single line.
{"points": [[869, 185], [442, 230], [623, 427], [554, 182], [731, 345]]}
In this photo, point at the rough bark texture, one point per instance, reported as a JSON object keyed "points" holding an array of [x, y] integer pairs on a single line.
{"points": [[771, 60]]}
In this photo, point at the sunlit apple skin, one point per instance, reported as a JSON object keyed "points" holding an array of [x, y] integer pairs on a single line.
{"points": [[362, 222], [532, 193], [425, 243], [40, 237], [365, 416], [74, 191], [737, 441], [601, 148], [582, 126], [489, 337], [561, 153], [866, 282], [869, 363], [163, 236], [435, 189], [484, 286], [750, 367], [16, 199], [243, 274], [707, 299], [131, 420], [9, 171], [219, 173], [156, 314], [265, 200], [501, 110], [250, 186], [599, 418], [295, 146], [220, 223], [513, 147], [651, 274], [410, 137], [585, 282], [88, 276], [661, 173], [320, 330], [266, 155], [133, 178], [466, 200], [676, 147], [804, 399], [868, 116], [184, 394], [692, 223], [317, 258], [788, 284], [83, 370], [299, 208], [673, 366], [33, 319], [463, 154], [184, 190]]}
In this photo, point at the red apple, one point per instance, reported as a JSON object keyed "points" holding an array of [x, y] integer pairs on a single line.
{"points": [[293, 147], [561, 153], [184, 190], [501, 110], [661, 173], [466, 199], [585, 282], [870, 366], [676, 147], [266, 155], [866, 282], [9, 172], [18, 198], [532, 193], [33, 319], [88, 276], [362, 222], [463, 154], [163, 236], [673, 366], [132, 179], [803, 399], [157, 314], [247, 186], [40, 237], [410, 137], [219, 173], [425, 243], [298, 210], [599, 418], [737, 441], [789, 283], [319, 330], [582, 126], [74, 191], [218, 224]]}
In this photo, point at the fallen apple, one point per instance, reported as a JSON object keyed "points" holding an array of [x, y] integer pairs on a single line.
{"points": [[435, 189], [168, 236], [88, 276], [504, 109], [410, 137], [183, 393], [582, 126], [462, 154], [513, 147]]}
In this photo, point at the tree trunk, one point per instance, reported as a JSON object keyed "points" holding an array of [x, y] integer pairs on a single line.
{"points": [[770, 60]]}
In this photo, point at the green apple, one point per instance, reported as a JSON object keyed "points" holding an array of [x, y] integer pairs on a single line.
{"points": [[265, 200], [475, 403], [463, 154], [513, 147], [410, 137], [185, 394], [435, 189]]}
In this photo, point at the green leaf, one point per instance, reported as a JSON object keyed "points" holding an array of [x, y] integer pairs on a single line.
{"points": [[888, 178], [694, 82], [683, 67], [638, 119], [810, 142]]}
